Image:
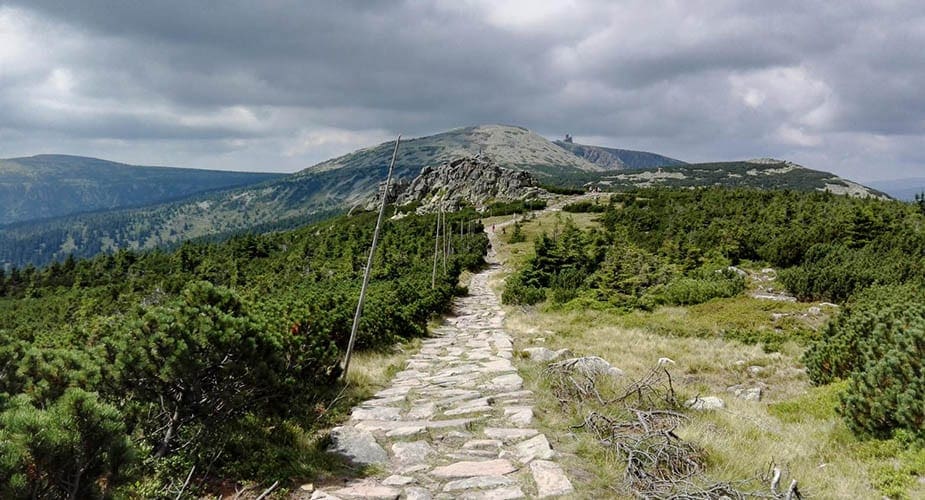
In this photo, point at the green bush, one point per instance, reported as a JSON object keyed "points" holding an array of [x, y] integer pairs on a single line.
{"points": [[839, 350], [74, 448], [697, 290], [517, 292], [565, 285], [887, 391], [517, 234], [586, 206]]}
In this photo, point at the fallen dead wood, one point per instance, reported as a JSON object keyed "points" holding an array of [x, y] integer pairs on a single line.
{"points": [[638, 423]]}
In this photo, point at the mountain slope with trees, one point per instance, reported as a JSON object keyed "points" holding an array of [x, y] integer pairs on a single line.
{"points": [[121, 373], [45, 186]]}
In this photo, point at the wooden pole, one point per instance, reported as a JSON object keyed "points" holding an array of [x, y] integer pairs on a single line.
{"points": [[369, 263], [446, 241], [433, 277]]}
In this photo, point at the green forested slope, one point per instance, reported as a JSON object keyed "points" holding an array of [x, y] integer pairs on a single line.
{"points": [[120, 373]]}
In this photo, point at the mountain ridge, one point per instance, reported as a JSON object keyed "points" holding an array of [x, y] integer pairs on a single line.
{"points": [[53, 185], [338, 184]]}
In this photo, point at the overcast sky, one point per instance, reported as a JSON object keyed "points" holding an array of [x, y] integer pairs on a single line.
{"points": [[280, 85]]}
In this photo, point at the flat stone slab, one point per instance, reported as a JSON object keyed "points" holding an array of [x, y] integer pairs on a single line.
{"points": [[509, 382], [507, 434], [522, 394], [321, 495], [412, 453], [417, 493], [482, 444], [706, 403], [465, 410], [478, 482], [377, 413], [405, 431], [550, 479], [422, 411], [383, 401], [505, 493], [535, 447], [393, 391], [500, 365], [497, 467], [520, 416], [396, 480], [368, 490], [388, 425], [357, 446]]}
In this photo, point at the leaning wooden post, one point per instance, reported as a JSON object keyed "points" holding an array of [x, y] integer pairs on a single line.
{"points": [[446, 240], [369, 264], [433, 277]]}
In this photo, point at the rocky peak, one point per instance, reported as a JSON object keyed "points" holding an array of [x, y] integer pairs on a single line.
{"points": [[476, 181]]}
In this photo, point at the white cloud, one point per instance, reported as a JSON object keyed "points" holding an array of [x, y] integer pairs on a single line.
{"points": [[336, 141], [796, 137]]}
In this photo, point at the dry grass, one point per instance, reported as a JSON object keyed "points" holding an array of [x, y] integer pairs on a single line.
{"points": [[741, 440]]}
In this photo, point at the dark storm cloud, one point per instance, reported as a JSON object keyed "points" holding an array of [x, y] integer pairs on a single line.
{"points": [[284, 84]]}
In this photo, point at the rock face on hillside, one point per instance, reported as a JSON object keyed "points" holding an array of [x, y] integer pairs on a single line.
{"points": [[467, 180]]}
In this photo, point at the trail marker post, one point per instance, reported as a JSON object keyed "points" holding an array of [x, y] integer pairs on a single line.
{"points": [[369, 264]]}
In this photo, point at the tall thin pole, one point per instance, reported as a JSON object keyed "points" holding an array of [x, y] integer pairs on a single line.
{"points": [[433, 277], [369, 263], [446, 241]]}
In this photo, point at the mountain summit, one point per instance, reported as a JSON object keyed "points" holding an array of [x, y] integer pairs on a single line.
{"points": [[507, 146]]}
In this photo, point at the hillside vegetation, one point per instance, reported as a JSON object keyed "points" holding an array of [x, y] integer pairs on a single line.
{"points": [[120, 374], [44, 186], [677, 273]]}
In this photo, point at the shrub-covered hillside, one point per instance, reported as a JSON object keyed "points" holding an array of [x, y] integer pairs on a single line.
{"points": [[120, 373], [676, 247]]}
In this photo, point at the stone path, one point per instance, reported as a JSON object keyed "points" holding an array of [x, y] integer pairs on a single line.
{"points": [[457, 422]]}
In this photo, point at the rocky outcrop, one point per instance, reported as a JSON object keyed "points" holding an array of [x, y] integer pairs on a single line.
{"points": [[473, 181]]}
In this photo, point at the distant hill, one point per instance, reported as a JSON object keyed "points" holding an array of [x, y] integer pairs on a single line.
{"points": [[901, 189], [338, 184], [618, 159], [765, 173], [46, 186], [507, 146]]}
